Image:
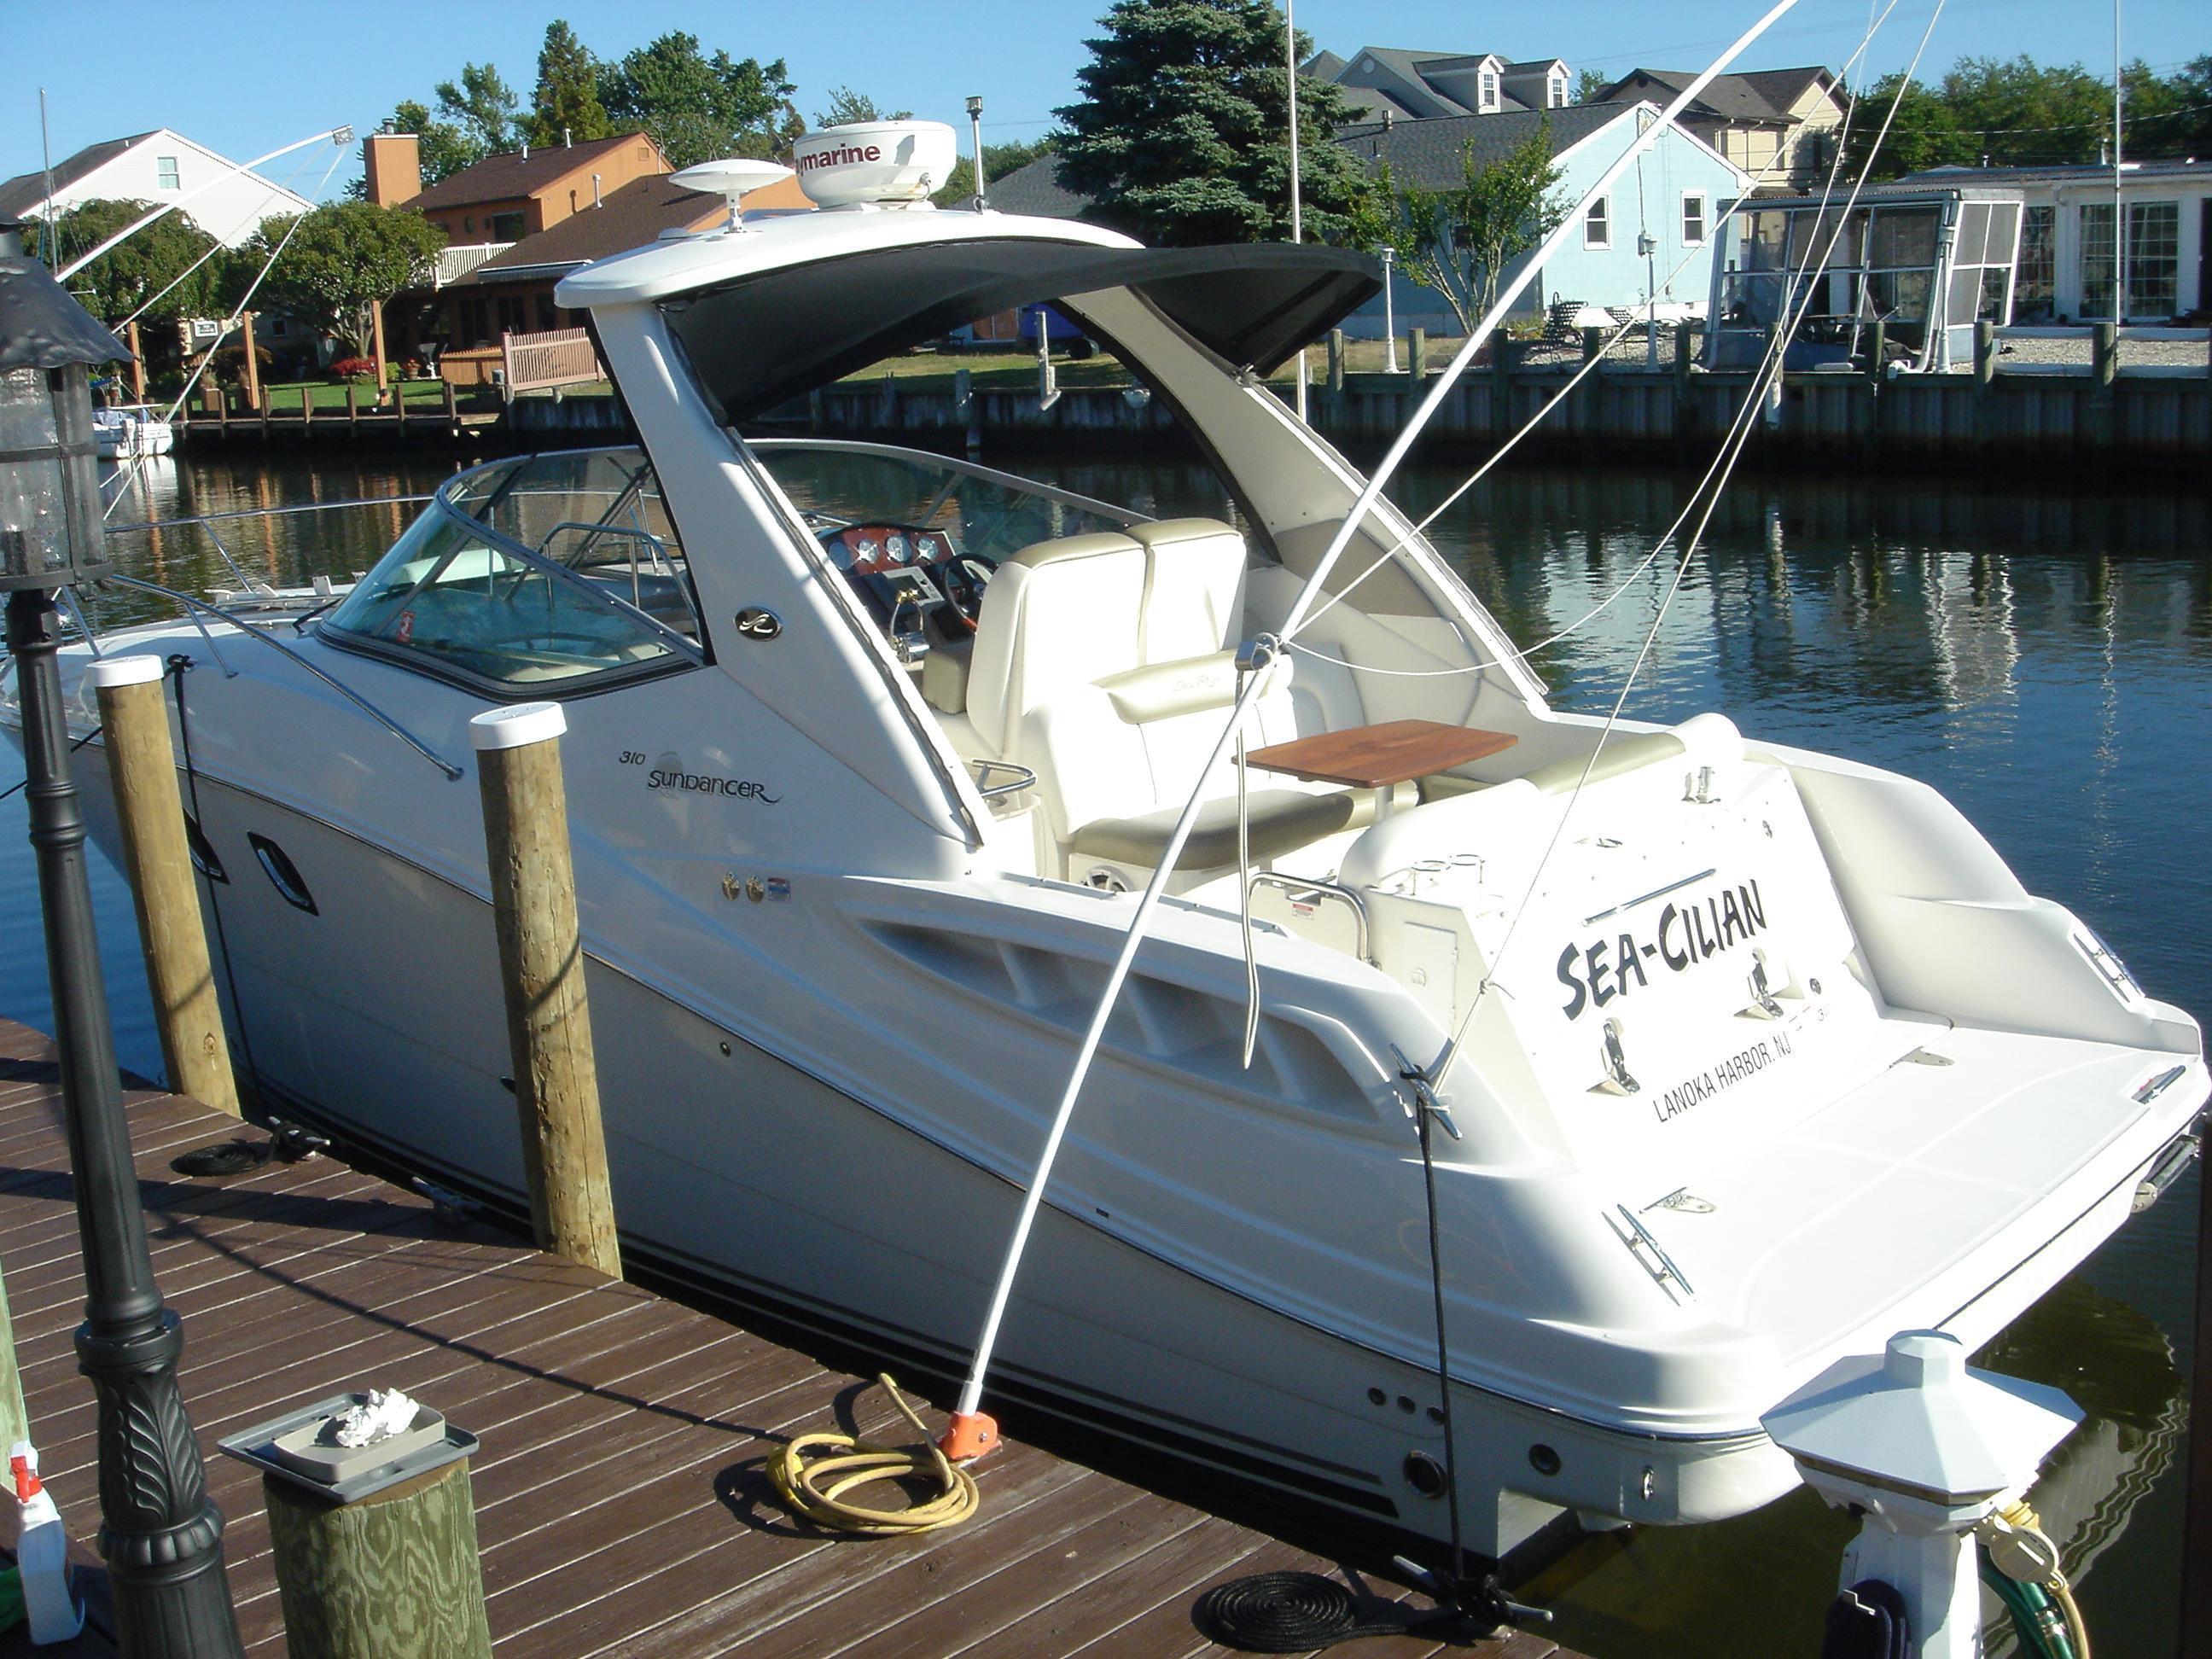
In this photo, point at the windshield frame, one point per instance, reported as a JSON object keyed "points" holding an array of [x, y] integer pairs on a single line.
{"points": [[684, 654]]}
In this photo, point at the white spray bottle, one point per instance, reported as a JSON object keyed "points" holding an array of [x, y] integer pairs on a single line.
{"points": [[42, 1554]]}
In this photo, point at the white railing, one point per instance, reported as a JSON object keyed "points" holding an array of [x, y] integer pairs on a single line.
{"points": [[455, 262], [560, 356]]}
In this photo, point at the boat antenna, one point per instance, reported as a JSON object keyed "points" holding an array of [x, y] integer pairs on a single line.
{"points": [[338, 137], [49, 237], [976, 129], [973, 1431]]}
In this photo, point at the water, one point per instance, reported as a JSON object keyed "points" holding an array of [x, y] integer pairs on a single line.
{"points": [[2044, 660]]}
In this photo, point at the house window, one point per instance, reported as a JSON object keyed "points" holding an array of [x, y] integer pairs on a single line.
{"points": [[1597, 223], [504, 227], [165, 172], [2035, 289], [1693, 218], [1485, 97], [1555, 92], [2153, 243]]}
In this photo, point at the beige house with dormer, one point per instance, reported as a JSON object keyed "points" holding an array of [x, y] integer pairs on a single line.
{"points": [[1778, 125]]}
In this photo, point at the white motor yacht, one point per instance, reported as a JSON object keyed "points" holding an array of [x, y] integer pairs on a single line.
{"points": [[1761, 1054], [124, 431]]}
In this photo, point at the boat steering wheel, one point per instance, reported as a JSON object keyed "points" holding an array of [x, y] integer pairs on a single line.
{"points": [[871, 555]]}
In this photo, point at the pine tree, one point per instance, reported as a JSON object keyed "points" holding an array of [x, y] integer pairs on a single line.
{"points": [[1182, 133], [566, 105]]}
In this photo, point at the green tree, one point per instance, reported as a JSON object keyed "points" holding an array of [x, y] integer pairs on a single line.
{"points": [[347, 257], [1590, 82], [566, 105], [998, 160], [483, 106], [846, 105], [1181, 133], [118, 282], [1925, 133], [696, 108], [1458, 239]]}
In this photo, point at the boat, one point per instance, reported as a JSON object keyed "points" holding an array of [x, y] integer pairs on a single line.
{"points": [[126, 430], [1739, 1058]]}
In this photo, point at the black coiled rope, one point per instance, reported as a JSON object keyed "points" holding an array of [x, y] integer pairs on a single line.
{"points": [[1298, 1612]]}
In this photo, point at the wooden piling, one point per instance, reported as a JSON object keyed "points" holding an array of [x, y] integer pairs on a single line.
{"points": [[1417, 354], [2197, 1522], [1336, 360], [1986, 353], [549, 1026], [1501, 386], [392, 1575], [137, 360], [135, 720], [2105, 359], [1593, 344], [253, 368]]}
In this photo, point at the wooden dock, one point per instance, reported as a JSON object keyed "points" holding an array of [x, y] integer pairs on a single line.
{"points": [[621, 1508]]}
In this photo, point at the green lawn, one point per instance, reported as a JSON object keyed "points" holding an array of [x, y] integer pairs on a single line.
{"points": [[286, 397]]}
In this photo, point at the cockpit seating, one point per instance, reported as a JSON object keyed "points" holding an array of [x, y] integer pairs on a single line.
{"points": [[1099, 664]]}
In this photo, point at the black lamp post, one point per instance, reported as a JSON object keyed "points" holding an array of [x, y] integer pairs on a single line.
{"points": [[162, 1536]]}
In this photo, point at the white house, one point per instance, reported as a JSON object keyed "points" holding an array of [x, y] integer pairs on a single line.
{"points": [[157, 167], [2065, 269]]}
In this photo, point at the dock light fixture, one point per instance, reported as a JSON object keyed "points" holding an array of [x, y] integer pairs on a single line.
{"points": [[975, 130], [160, 1533]]}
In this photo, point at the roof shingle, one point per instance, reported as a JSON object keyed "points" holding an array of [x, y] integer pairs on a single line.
{"points": [[502, 178]]}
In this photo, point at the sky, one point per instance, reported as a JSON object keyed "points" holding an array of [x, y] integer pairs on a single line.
{"points": [[245, 76]]}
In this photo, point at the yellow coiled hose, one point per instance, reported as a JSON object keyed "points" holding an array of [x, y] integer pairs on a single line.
{"points": [[815, 1490]]}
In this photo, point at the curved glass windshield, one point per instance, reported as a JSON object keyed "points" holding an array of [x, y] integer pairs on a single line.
{"points": [[533, 572]]}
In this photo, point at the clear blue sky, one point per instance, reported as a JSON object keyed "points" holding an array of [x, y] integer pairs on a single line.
{"points": [[246, 76]]}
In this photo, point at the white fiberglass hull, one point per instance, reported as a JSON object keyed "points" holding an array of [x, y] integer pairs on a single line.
{"points": [[747, 1175]]}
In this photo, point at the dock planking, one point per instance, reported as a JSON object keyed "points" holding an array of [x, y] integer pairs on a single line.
{"points": [[621, 1509]]}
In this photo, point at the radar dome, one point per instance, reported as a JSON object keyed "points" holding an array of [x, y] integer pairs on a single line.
{"points": [[890, 163]]}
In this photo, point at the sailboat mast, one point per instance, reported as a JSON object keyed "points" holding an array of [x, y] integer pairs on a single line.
{"points": [[2120, 216], [1298, 212]]}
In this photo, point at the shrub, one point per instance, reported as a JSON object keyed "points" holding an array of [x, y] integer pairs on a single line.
{"points": [[355, 368]]}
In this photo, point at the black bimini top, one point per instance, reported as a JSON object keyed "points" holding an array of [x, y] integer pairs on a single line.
{"points": [[764, 339]]}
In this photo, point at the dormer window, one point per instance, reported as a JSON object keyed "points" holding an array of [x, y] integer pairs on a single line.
{"points": [[1555, 89], [1486, 96]]}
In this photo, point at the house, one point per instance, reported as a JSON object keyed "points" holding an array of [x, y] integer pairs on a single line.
{"points": [[1386, 84], [1674, 198], [2064, 272], [1778, 125], [549, 209], [154, 167]]}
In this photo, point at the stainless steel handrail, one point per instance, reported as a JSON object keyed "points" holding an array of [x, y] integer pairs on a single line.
{"points": [[1121, 515], [1324, 889], [270, 512], [193, 604]]}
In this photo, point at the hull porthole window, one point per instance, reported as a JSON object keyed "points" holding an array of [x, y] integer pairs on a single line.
{"points": [[283, 873], [205, 859]]}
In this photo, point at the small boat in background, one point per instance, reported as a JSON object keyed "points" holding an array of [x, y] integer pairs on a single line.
{"points": [[130, 429]]}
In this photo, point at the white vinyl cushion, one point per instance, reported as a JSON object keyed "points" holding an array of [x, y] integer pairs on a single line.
{"points": [[1193, 588], [1056, 615]]}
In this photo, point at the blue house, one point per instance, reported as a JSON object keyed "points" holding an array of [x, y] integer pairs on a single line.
{"points": [[1652, 232], [1673, 197]]}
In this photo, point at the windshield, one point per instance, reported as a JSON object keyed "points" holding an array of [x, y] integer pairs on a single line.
{"points": [[537, 571]]}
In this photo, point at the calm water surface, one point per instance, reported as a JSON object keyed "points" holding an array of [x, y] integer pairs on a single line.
{"points": [[2044, 661]]}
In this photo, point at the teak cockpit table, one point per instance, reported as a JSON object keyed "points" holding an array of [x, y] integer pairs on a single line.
{"points": [[1380, 757]]}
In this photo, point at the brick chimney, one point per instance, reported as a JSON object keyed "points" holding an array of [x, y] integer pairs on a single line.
{"points": [[393, 165]]}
